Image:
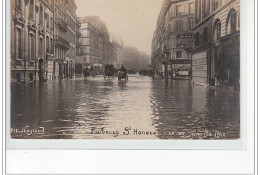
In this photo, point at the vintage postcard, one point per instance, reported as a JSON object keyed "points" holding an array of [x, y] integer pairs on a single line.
{"points": [[125, 69]]}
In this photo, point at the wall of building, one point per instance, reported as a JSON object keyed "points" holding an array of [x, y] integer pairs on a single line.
{"points": [[31, 39], [217, 32]]}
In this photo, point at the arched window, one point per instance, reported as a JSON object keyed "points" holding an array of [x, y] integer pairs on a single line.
{"points": [[31, 13], [217, 29], [231, 26]]}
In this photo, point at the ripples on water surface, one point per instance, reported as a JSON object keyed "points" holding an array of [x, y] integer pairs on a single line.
{"points": [[70, 108]]}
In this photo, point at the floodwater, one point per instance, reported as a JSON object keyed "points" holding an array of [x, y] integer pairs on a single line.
{"points": [[142, 108]]}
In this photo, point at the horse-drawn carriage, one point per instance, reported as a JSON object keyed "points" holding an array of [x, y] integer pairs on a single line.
{"points": [[109, 71], [122, 74]]}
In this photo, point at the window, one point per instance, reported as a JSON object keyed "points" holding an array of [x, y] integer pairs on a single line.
{"points": [[204, 9], [178, 42], [31, 13], [190, 24], [41, 15], [47, 44], [178, 26], [231, 23], [51, 46], [18, 4], [218, 29], [191, 8], [233, 18], [178, 10], [41, 47], [205, 34], [18, 43], [197, 39], [47, 21], [31, 47], [178, 54], [217, 3], [51, 20]]}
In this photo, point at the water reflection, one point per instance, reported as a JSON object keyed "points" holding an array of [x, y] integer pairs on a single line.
{"points": [[184, 111], [70, 108]]}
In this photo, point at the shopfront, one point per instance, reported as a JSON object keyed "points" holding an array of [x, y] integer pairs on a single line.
{"points": [[181, 68]]}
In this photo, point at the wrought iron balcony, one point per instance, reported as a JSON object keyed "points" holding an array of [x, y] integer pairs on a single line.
{"points": [[61, 41], [62, 24]]}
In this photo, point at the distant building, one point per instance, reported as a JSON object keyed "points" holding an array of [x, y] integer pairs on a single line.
{"points": [[95, 46], [133, 59], [91, 41], [32, 36], [216, 52]]}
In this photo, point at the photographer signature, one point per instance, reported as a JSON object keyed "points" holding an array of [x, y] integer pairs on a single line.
{"points": [[26, 130]]}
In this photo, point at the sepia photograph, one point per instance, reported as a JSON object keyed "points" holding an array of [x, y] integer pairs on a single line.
{"points": [[125, 69]]}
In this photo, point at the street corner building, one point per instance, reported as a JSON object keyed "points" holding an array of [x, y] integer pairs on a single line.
{"points": [[199, 39], [43, 39], [171, 43]]}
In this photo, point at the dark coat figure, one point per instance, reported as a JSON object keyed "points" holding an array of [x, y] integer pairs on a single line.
{"points": [[86, 72]]}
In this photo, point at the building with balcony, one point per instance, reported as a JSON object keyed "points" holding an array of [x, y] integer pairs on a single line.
{"points": [[215, 54], [173, 38], [65, 38], [177, 38], [31, 39]]}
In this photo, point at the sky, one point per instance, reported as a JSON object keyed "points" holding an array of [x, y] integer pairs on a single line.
{"points": [[133, 20]]}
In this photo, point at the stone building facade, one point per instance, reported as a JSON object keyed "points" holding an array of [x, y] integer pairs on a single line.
{"points": [[215, 55], [172, 39], [31, 39], [65, 38], [92, 41]]}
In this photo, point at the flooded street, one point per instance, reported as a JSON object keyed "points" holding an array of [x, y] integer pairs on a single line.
{"points": [[142, 108]]}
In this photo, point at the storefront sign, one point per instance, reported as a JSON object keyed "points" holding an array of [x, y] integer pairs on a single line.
{"points": [[181, 66], [199, 67]]}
